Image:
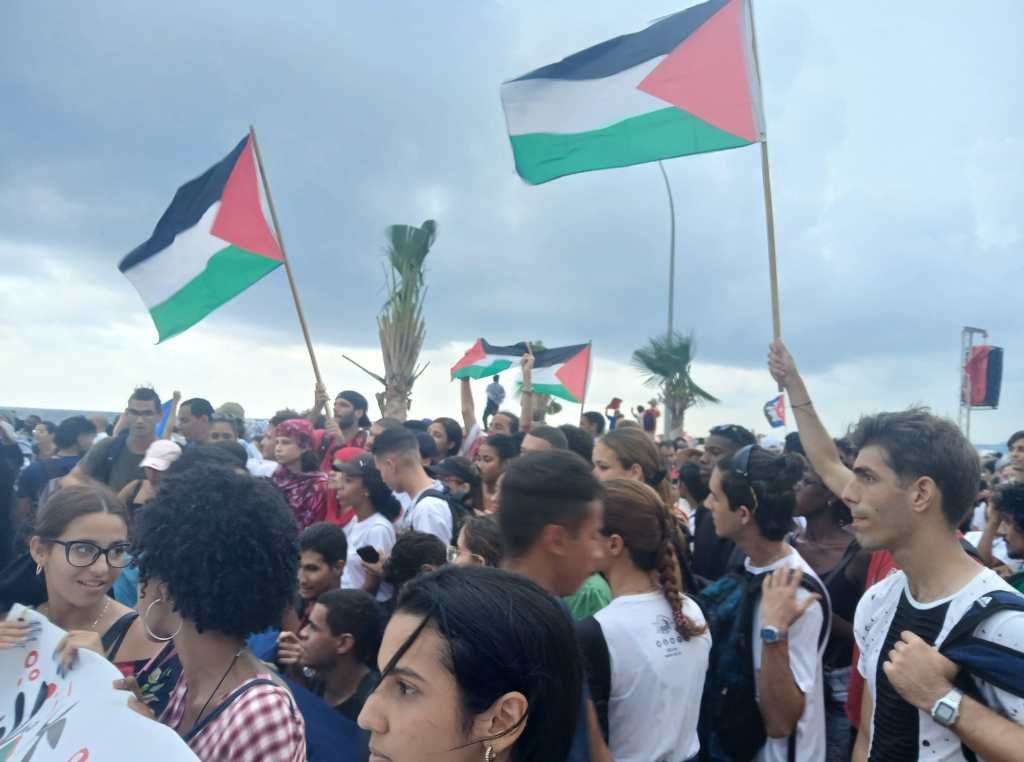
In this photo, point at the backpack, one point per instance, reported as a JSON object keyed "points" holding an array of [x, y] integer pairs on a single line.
{"points": [[114, 451], [731, 727], [980, 659], [458, 510]]}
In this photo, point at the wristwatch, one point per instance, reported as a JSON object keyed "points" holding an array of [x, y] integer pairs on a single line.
{"points": [[946, 710], [771, 635]]}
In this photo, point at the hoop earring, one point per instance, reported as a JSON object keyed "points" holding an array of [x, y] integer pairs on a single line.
{"points": [[149, 630], [489, 754]]}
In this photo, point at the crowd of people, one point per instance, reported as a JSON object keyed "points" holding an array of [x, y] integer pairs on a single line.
{"points": [[335, 587]]}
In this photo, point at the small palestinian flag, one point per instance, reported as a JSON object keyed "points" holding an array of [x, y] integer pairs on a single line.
{"points": [[775, 411], [483, 360], [562, 372], [687, 84], [212, 243]]}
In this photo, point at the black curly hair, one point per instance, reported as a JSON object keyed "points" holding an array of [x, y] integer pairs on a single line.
{"points": [[412, 551], [225, 544], [767, 487]]}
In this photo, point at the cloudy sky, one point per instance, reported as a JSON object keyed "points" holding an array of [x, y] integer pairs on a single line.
{"points": [[896, 159]]}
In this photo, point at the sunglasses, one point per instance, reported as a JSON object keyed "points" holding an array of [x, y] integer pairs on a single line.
{"points": [[741, 465]]}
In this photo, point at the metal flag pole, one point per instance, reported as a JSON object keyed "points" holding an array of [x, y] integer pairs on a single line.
{"points": [[284, 254], [671, 251]]}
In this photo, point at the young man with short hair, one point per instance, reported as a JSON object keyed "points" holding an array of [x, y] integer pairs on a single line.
{"points": [[495, 396], [323, 549], [714, 555], [544, 438], [73, 437], [339, 647], [914, 479], [115, 461], [1015, 446], [593, 422], [1011, 510], [194, 416], [396, 453], [550, 513]]}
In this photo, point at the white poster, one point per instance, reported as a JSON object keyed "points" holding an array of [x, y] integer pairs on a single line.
{"points": [[76, 718]]}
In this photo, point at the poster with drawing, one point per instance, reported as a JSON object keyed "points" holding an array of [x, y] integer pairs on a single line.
{"points": [[79, 717]]}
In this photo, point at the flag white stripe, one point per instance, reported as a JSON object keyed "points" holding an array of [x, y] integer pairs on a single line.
{"points": [[565, 106], [161, 276]]}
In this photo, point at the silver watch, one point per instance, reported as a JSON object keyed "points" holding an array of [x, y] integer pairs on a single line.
{"points": [[946, 710]]}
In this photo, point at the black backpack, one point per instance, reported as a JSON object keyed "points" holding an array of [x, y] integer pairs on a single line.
{"points": [[731, 727], [458, 510]]}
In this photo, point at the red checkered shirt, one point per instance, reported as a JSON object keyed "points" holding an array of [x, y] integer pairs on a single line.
{"points": [[261, 725]]}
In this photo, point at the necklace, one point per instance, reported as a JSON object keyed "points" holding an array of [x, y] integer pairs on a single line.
{"points": [[224, 677], [104, 611], [95, 621]]}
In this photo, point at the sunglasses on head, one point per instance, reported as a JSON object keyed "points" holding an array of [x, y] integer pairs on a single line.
{"points": [[740, 464]]}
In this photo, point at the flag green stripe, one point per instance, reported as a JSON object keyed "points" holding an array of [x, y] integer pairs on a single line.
{"points": [[483, 371], [660, 134], [228, 273], [555, 390]]}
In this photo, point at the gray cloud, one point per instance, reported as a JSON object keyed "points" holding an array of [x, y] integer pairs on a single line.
{"points": [[892, 134]]}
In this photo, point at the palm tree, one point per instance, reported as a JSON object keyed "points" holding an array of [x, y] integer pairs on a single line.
{"points": [[400, 321], [666, 360]]}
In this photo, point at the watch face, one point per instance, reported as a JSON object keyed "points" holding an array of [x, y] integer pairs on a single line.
{"points": [[769, 635], [944, 713]]}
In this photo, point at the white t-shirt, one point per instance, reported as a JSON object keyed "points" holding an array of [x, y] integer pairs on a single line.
{"points": [[657, 678], [468, 441], [431, 515], [375, 531], [875, 613], [804, 663]]}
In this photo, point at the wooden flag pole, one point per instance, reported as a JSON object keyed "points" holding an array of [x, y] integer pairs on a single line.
{"points": [[766, 179], [287, 265]]}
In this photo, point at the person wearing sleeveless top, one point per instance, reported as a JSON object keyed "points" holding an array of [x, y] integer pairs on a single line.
{"points": [[79, 545], [222, 580]]}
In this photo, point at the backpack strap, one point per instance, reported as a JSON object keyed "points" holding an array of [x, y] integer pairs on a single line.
{"points": [[598, 663], [983, 659], [452, 509], [115, 634], [219, 709], [848, 555]]}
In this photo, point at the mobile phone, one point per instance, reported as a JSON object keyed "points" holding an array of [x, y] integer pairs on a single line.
{"points": [[368, 553]]}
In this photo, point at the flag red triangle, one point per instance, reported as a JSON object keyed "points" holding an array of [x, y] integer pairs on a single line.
{"points": [[473, 354], [575, 372], [240, 220], [706, 75]]}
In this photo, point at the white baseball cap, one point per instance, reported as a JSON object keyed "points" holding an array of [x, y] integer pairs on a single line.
{"points": [[160, 455]]}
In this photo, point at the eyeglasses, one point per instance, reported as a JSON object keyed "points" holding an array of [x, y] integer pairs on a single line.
{"points": [[741, 465], [83, 553], [455, 553]]}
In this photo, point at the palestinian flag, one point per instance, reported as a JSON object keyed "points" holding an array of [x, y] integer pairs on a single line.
{"points": [[483, 360], [687, 84], [562, 372], [212, 243]]}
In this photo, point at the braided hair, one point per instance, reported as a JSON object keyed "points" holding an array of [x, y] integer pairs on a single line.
{"points": [[637, 513]]}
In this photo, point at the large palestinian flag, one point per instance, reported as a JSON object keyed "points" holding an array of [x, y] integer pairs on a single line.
{"points": [[212, 243], [562, 372], [483, 359], [687, 84]]}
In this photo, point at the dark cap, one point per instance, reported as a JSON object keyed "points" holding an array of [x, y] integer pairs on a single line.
{"points": [[357, 466], [458, 467], [358, 401]]}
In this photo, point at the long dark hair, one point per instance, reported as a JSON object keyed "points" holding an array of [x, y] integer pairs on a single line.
{"points": [[381, 496], [480, 534], [453, 431], [502, 633]]}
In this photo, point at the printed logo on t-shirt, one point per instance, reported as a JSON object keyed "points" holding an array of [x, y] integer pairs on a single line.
{"points": [[667, 638]]}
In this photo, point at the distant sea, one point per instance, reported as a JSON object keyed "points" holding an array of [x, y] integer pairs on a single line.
{"points": [[51, 414]]}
